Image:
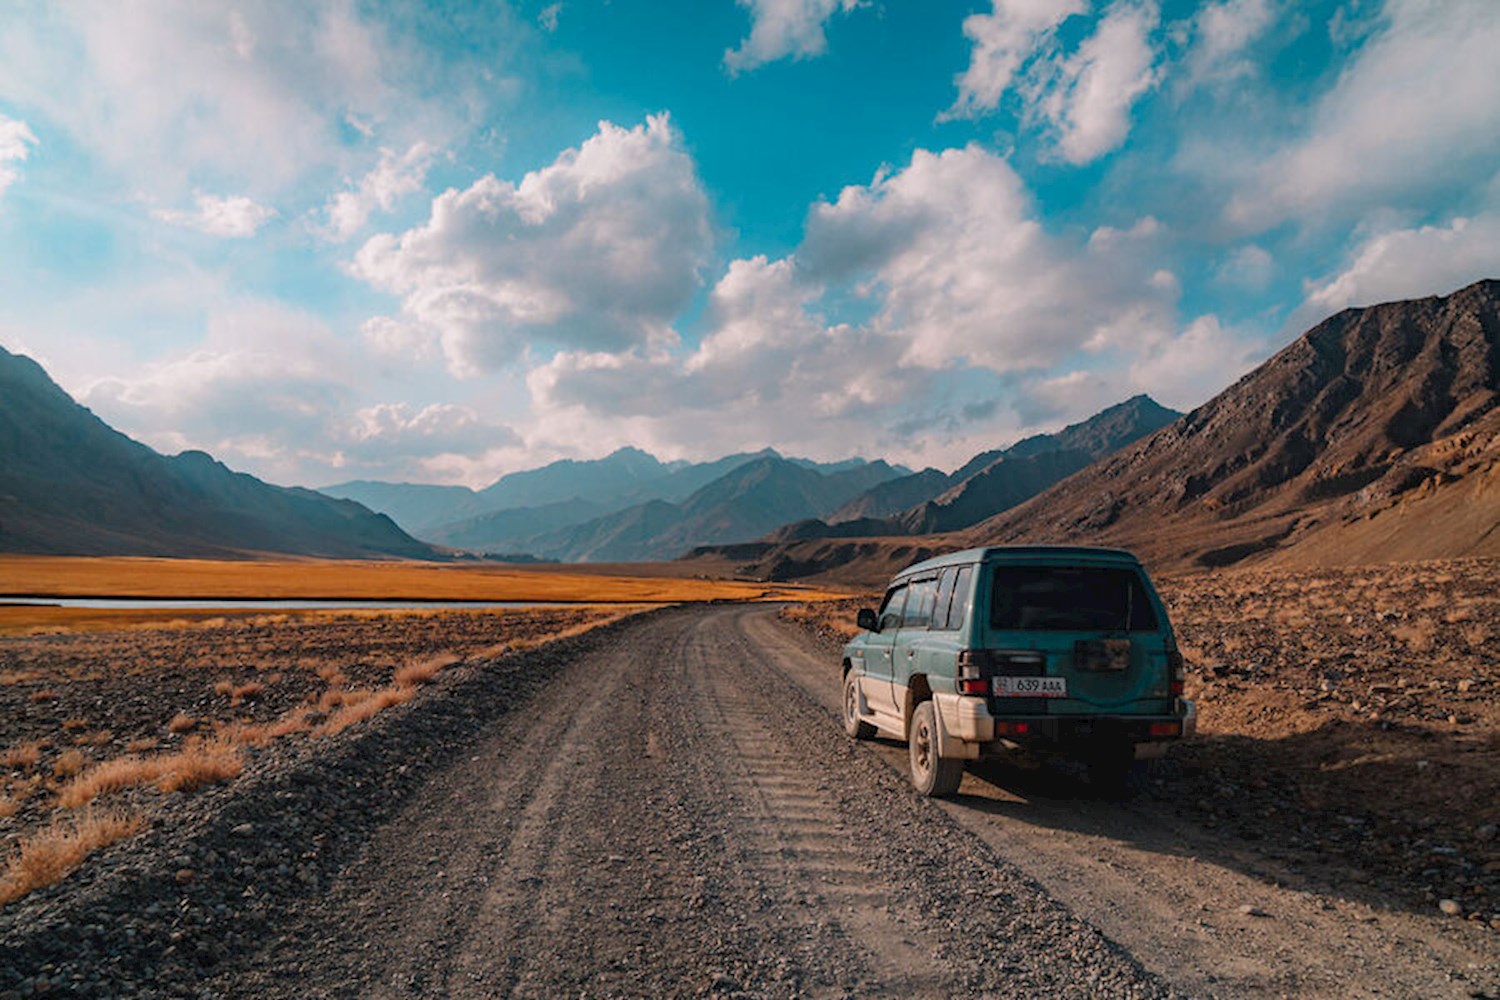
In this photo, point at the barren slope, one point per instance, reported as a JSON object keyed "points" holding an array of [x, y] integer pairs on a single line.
{"points": [[1371, 413]]}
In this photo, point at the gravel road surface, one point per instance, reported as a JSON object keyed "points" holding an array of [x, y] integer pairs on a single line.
{"points": [[668, 807]]}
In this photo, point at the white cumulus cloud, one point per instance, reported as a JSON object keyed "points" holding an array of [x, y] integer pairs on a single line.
{"points": [[964, 270], [1415, 112], [1221, 34], [232, 216], [599, 250], [1004, 40], [178, 94], [393, 178], [1081, 100], [782, 28], [16, 138], [1086, 98], [968, 293], [1411, 263]]}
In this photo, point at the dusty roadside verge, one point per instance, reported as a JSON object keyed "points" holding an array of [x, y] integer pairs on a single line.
{"points": [[153, 914]]}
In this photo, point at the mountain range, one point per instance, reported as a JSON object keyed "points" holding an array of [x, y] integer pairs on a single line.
{"points": [[629, 507], [70, 484], [1374, 437]]}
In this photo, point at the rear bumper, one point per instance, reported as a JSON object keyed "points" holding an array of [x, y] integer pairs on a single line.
{"points": [[969, 720]]}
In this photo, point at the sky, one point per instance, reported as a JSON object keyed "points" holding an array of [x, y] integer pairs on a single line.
{"points": [[336, 241]]}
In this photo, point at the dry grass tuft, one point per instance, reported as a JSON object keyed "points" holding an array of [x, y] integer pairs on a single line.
{"points": [[40, 696], [181, 723], [23, 756], [8, 807], [69, 763], [8, 677], [201, 763], [260, 734], [72, 724], [52, 854], [224, 687], [141, 745], [245, 692], [422, 671], [366, 706]]}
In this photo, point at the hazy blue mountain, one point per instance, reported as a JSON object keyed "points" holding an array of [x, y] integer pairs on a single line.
{"points": [[417, 507], [746, 502], [71, 484]]}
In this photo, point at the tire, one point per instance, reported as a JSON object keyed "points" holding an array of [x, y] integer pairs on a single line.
{"points": [[856, 727], [931, 775]]}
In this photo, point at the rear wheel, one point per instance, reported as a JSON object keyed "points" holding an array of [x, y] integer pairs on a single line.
{"points": [[853, 724], [930, 774]]}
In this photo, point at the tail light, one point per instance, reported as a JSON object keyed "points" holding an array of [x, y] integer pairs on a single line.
{"points": [[1006, 728], [973, 668], [1176, 673], [1173, 728]]}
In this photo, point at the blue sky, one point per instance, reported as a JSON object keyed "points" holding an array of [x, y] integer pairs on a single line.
{"points": [[336, 241]]}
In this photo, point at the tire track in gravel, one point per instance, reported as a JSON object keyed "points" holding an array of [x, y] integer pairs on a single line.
{"points": [[791, 838], [669, 817]]}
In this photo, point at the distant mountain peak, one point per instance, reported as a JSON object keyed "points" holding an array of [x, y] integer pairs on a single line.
{"points": [[75, 485]]}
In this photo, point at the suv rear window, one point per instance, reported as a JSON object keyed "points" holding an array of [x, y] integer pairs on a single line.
{"points": [[1069, 599]]}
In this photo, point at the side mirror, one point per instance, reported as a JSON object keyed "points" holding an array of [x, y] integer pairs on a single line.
{"points": [[866, 620]]}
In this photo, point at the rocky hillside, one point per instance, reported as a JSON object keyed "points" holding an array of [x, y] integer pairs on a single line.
{"points": [[70, 484], [1374, 437]]}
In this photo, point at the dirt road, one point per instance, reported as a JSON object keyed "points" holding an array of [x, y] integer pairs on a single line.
{"points": [[677, 813], [667, 806]]}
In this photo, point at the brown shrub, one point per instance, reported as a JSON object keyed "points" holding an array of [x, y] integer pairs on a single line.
{"points": [[181, 723], [8, 807], [38, 697], [51, 855], [141, 745], [224, 687], [71, 724]]}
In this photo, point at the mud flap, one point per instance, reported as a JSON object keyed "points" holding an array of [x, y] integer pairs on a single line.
{"points": [[950, 747]]}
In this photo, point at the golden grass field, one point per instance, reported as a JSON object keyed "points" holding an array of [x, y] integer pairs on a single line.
{"points": [[87, 576], [310, 579]]}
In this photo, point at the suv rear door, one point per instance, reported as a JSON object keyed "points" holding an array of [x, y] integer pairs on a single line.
{"points": [[1098, 627]]}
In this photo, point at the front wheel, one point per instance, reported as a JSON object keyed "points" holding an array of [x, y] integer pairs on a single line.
{"points": [[856, 727], [931, 775]]}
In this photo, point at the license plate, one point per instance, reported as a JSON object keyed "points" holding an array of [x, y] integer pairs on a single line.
{"points": [[1030, 687]]}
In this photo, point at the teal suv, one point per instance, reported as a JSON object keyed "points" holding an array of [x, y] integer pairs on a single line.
{"points": [[1054, 649]]}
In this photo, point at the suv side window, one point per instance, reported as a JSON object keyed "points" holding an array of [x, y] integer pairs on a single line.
{"points": [[944, 598], [919, 603], [891, 607], [960, 597]]}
